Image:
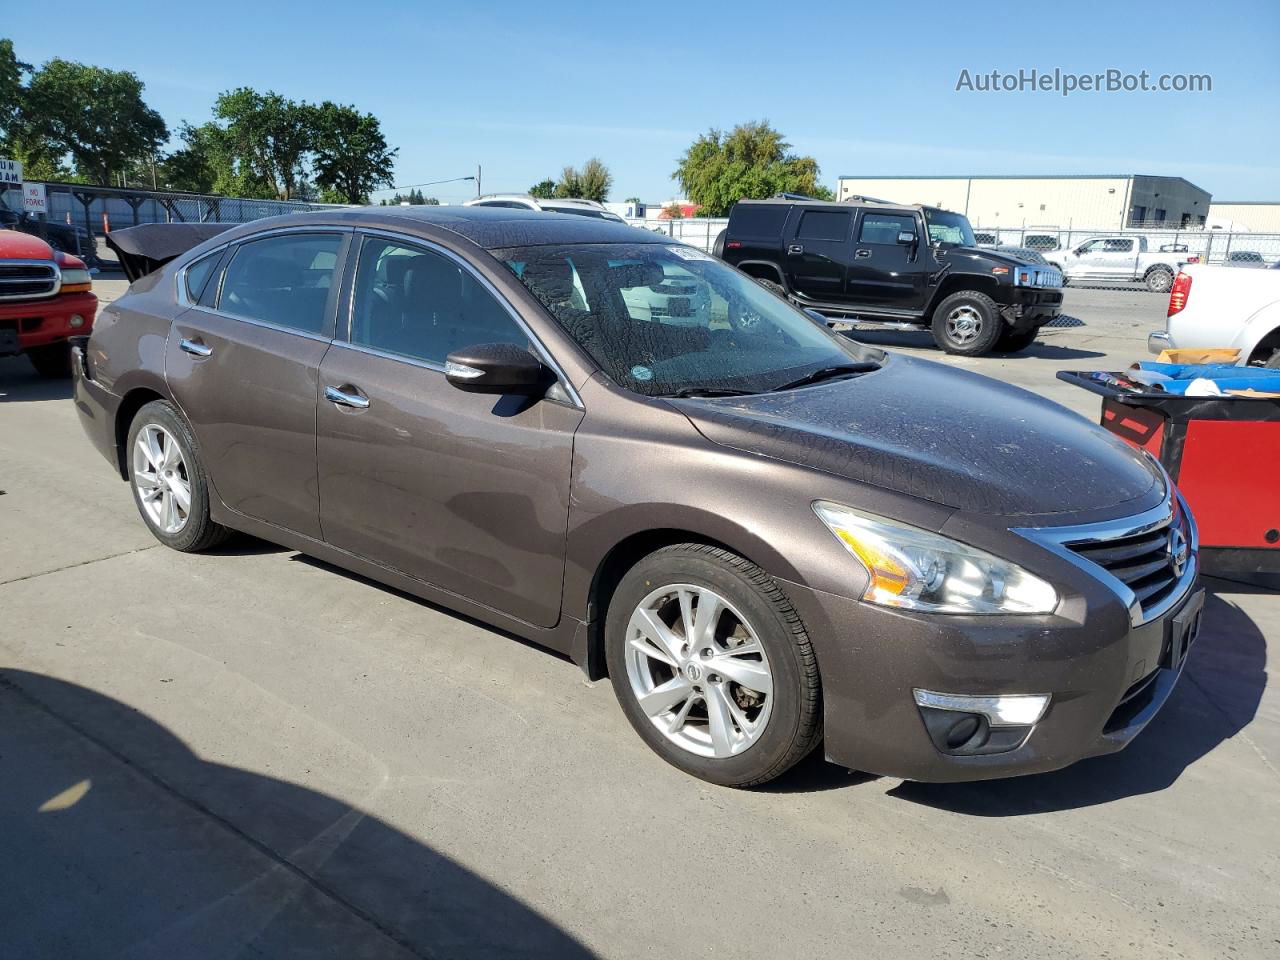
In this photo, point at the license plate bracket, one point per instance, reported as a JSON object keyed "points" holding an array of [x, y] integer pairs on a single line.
{"points": [[1181, 631]]}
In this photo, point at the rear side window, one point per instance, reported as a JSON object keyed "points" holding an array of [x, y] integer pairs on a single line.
{"points": [[1118, 245], [823, 225], [198, 275], [419, 304], [284, 280], [884, 228], [762, 220]]}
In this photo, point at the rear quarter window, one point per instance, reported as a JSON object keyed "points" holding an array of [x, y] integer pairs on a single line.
{"points": [[757, 220]]}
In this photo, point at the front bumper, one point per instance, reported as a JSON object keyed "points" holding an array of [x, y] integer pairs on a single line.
{"points": [[40, 323], [1030, 307], [1107, 672]]}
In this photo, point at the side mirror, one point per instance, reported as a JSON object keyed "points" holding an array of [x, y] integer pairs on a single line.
{"points": [[504, 368], [906, 239]]}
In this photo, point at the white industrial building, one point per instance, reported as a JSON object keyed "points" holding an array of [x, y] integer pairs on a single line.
{"points": [[1245, 216], [1091, 202]]}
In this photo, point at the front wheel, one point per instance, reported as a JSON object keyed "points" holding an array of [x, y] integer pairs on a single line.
{"points": [[967, 323], [1159, 279], [169, 483], [712, 666]]}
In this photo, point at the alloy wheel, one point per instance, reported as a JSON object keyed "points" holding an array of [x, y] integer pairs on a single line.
{"points": [[698, 670], [161, 479], [964, 323]]}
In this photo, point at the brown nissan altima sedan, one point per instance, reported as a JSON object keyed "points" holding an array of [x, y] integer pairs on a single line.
{"points": [[765, 534]]}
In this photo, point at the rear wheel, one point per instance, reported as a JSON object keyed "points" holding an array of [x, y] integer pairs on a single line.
{"points": [[1274, 362], [712, 666], [967, 323], [1159, 279], [53, 362], [170, 486]]}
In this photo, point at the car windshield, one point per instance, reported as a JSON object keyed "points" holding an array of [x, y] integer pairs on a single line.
{"points": [[662, 320], [949, 229]]}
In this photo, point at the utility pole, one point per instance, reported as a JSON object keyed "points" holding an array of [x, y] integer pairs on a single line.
{"points": [[477, 181]]}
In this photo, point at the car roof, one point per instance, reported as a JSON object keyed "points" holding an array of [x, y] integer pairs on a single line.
{"points": [[838, 204], [487, 227]]}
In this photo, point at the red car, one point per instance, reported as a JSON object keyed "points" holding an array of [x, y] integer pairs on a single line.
{"points": [[45, 297]]}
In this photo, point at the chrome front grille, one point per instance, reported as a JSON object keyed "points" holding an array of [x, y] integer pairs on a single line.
{"points": [[1146, 562], [1149, 560], [28, 280]]}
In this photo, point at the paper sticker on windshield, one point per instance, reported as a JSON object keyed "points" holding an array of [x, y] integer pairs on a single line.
{"points": [[689, 253], [641, 373]]}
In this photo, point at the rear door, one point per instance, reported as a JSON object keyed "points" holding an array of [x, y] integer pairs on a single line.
{"points": [[885, 271], [243, 363], [468, 492], [817, 252]]}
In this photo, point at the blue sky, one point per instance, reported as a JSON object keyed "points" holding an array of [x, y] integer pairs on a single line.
{"points": [[866, 88]]}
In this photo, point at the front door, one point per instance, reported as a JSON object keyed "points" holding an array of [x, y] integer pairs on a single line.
{"points": [[244, 367], [467, 492], [885, 272]]}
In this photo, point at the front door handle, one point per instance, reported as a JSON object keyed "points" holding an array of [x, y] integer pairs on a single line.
{"points": [[344, 399], [861, 254], [795, 248], [196, 348]]}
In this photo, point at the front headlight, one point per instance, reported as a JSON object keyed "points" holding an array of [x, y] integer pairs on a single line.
{"points": [[76, 280], [918, 570]]}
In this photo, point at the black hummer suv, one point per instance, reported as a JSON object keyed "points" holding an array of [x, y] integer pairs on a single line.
{"points": [[895, 266]]}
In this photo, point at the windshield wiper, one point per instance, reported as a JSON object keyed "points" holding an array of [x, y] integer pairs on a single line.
{"points": [[829, 373], [710, 392]]}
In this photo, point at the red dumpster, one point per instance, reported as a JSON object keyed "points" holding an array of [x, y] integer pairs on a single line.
{"points": [[1222, 452]]}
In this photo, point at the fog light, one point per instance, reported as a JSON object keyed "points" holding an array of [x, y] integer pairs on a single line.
{"points": [[1010, 710], [76, 321]]}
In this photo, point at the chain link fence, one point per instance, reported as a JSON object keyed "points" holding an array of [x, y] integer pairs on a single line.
{"points": [[1233, 248]]}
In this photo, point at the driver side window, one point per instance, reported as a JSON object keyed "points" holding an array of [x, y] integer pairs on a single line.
{"points": [[422, 305]]}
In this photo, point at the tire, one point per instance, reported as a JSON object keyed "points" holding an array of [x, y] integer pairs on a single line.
{"points": [[1274, 362], [1014, 341], [750, 605], [52, 362], [1158, 279], [195, 531], [717, 248], [984, 329]]}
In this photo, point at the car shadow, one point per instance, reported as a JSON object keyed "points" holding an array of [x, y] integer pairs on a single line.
{"points": [[1217, 697], [19, 383], [120, 841]]}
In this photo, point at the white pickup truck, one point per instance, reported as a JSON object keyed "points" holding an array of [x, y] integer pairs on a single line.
{"points": [[1224, 307], [1118, 258]]}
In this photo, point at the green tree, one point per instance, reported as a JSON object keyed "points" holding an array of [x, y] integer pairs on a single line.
{"points": [[268, 138], [592, 182], [633, 200], [673, 211], [751, 161], [11, 90], [94, 114], [543, 189], [351, 154]]}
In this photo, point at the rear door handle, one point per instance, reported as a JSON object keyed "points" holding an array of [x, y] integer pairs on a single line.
{"points": [[196, 348], [861, 254], [795, 248], [344, 399]]}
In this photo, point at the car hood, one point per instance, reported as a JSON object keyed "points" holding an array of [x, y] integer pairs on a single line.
{"points": [[23, 246], [936, 433]]}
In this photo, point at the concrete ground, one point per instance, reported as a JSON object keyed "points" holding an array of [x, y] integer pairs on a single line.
{"points": [[248, 753]]}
